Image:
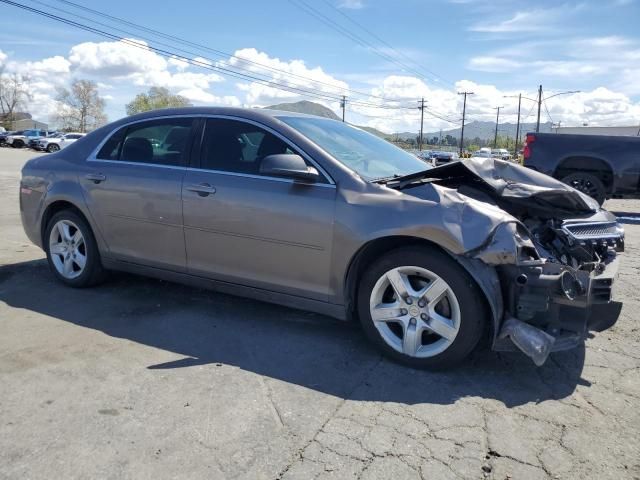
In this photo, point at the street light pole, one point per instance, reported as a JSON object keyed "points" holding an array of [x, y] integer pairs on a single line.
{"points": [[343, 104], [464, 111]]}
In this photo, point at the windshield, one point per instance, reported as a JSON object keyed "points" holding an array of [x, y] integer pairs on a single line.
{"points": [[370, 156]]}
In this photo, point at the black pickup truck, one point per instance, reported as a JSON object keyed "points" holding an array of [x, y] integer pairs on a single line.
{"points": [[600, 166]]}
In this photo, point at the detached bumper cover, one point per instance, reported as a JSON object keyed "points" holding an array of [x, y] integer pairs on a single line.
{"points": [[550, 308]]}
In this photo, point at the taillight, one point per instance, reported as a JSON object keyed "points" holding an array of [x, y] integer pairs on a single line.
{"points": [[526, 151]]}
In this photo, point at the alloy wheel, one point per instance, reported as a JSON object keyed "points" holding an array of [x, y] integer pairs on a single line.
{"points": [[68, 249], [415, 311]]}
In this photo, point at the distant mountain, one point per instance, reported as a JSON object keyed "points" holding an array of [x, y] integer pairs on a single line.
{"points": [[482, 130], [307, 107]]}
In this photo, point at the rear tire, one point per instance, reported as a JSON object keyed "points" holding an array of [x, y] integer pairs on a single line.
{"points": [[17, 144], [72, 251], [588, 184], [444, 318]]}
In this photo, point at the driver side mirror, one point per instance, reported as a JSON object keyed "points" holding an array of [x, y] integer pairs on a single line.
{"points": [[289, 166]]}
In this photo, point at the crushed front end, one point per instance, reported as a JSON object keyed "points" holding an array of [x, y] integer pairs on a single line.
{"points": [[549, 263], [560, 286]]}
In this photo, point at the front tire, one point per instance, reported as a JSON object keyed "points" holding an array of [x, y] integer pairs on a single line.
{"points": [[421, 308], [17, 144], [587, 184], [72, 251], [53, 147]]}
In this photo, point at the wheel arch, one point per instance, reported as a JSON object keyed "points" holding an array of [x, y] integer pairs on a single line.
{"points": [[586, 163], [485, 277], [55, 207]]}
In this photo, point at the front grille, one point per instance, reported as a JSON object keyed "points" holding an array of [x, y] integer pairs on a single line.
{"points": [[584, 231], [603, 234]]}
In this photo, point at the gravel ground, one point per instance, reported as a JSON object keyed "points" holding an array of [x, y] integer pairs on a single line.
{"points": [[145, 379]]}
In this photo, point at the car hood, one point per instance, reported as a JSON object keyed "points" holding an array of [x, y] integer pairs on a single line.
{"points": [[514, 188]]}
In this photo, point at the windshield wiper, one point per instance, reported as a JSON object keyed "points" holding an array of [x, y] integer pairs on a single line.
{"points": [[386, 179]]}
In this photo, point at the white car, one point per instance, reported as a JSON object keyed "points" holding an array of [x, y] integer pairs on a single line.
{"points": [[501, 153], [54, 144]]}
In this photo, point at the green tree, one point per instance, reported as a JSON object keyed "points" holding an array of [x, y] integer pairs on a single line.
{"points": [[157, 97]]}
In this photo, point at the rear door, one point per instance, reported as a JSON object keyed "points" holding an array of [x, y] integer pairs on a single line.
{"points": [[133, 187], [246, 228]]}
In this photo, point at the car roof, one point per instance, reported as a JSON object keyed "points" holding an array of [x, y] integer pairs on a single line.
{"points": [[254, 113]]}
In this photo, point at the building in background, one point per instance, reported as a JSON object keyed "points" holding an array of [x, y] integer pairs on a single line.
{"points": [[616, 131]]}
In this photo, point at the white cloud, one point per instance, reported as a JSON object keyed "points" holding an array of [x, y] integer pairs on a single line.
{"points": [[294, 74], [178, 63], [122, 71], [530, 21], [493, 64], [351, 4], [115, 59]]}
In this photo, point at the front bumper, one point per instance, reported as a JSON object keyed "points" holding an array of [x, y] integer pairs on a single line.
{"points": [[554, 307]]}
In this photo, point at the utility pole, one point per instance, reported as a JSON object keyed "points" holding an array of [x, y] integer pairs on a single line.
{"points": [[515, 147], [440, 138], [464, 112], [495, 138], [343, 104], [539, 107], [558, 125], [421, 107]]}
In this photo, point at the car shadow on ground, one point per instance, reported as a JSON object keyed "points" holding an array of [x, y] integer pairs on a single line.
{"points": [[301, 348]]}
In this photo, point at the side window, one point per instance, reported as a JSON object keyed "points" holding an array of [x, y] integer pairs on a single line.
{"points": [[111, 149], [161, 142], [236, 146]]}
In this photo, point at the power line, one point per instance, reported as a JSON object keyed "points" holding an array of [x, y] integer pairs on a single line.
{"points": [[544, 101], [386, 44], [218, 53], [241, 59], [301, 4], [205, 63], [192, 61]]}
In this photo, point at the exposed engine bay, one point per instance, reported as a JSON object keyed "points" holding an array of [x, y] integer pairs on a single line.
{"points": [[558, 284]]}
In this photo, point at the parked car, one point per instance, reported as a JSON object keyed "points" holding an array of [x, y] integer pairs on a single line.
{"points": [[501, 153], [21, 139], [600, 166], [483, 154], [34, 142], [53, 144], [319, 215], [3, 137], [442, 158]]}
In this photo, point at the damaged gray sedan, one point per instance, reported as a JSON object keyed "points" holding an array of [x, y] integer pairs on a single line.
{"points": [[318, 215]]}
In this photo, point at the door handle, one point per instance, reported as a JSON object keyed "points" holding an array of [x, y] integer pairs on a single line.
{"points": [[95, 177], [202, 189]]}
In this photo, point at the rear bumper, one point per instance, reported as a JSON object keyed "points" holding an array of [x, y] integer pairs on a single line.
{"points": [[560, 319]]}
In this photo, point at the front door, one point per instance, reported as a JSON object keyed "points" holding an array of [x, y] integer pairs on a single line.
{"points": [[245, 228], [133, 188]]}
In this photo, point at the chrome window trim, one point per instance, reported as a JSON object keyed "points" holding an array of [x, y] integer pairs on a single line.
{"points": [[93, 156], [261, 177], [139, 164]]}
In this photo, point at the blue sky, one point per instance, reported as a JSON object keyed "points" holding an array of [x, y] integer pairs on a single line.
{"points": [[438, 48]]}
